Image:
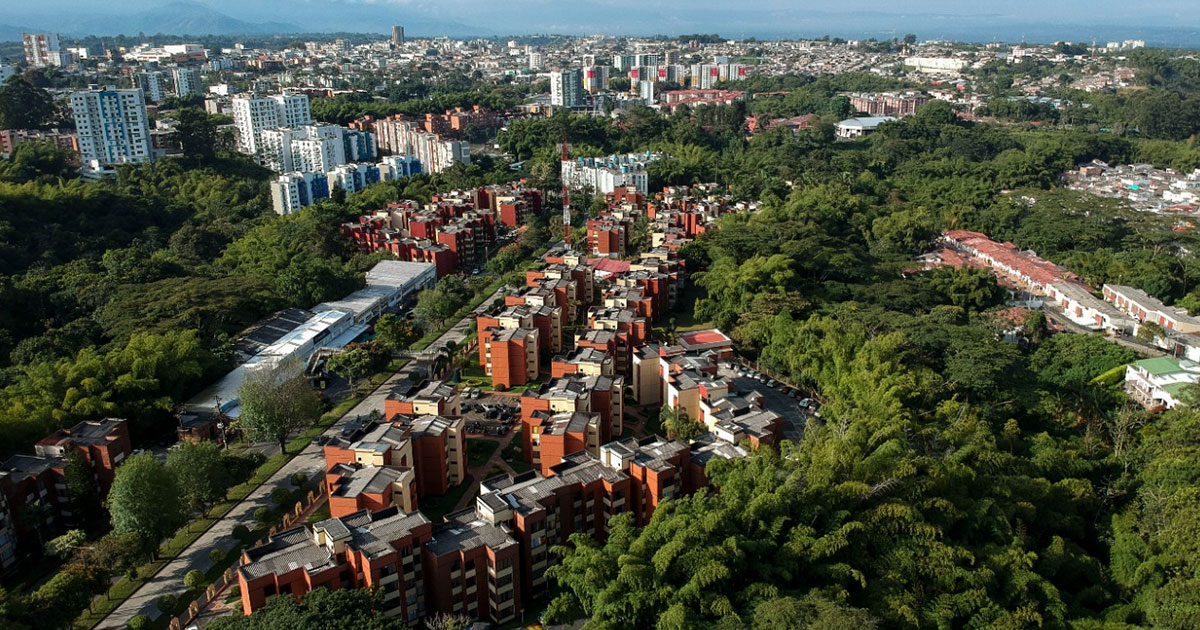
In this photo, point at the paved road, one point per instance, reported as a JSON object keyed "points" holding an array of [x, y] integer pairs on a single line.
{"points": [[310, 461], [1143, 349]]}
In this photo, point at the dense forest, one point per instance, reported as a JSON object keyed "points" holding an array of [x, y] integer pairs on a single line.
{"points": [[957, 480]]}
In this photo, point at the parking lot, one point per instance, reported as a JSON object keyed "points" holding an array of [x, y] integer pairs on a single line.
{"points": [[490, 414], [778, 398]]}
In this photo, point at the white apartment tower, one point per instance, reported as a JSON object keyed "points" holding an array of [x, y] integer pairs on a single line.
{"points": [[151, 83], [254, 114], [566, 88], [41, 49], [187, 81], [112, 127]]}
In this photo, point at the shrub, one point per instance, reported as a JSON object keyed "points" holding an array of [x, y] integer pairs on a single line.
{"points": [[194, 579], [139, 622], [281, 496], [241, 532], [264, 515], [167, 603], [217, 555], [299, 479]]}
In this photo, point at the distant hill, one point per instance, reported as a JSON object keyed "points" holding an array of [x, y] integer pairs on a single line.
{"points": [[178, 18]]}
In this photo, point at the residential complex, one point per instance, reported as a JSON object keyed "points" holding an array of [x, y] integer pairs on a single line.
{"points": [[112, 129], [606, 174], [41, 479], [253, 114]]}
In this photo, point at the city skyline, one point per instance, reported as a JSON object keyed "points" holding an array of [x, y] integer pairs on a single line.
{"points": [[773, 19]]}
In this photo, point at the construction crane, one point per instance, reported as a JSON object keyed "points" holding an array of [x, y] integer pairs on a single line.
{"points": [[566, 196]]}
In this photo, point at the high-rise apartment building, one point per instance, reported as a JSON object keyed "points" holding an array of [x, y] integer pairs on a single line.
{"points": [[42, 49], [397, 35], [566, 88], [152, 84], [187, 81], [113, 128], [313, 148], [254, 114]]}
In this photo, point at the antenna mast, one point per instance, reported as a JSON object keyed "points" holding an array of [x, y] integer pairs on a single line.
{"points": [[566, 196]]}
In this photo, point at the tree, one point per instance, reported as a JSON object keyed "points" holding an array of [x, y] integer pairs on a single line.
{"points": [[23, 106], [440, 303], [145, 499], [81, 486], [1035, 326], [200, 471], [277, 400], [322, 609], [678, 425], [351, 364], [197, 133], [65, 545], [195, 579], [1149, 331], [447, 621], [394, 332]]}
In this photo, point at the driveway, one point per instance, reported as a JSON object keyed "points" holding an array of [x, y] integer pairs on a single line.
{"points": [[795, 417]]}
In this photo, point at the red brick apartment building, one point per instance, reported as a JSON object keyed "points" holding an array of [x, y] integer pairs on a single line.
{"points": [[509, 356], [487, 562], [102, 444], [24, 479], [541, 409], [432, 446], [607, 237], [366, 549], [583, 361]]}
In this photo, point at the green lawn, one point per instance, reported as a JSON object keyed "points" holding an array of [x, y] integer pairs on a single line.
{"points": [[514, 455], [319, 514], [685, 310], [435, 508], [478, 451]]}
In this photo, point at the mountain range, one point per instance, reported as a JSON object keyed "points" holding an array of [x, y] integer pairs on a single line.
{"points": [[573, 17]]}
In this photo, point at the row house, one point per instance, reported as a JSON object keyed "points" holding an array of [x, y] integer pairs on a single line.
{"points": [[1143, 307], [1021, 268]]}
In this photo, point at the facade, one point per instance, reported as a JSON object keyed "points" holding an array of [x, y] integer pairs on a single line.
{"points": [[187, 81], [1143, 307], [254, 114], [152, 83], [44, 49], [897, 104], [366, 549], [510, 356], [314, 148], [1159, 383], [292, 191], [101, 444], [112, 128], [606, 174], [10, 139], [566, 88]]}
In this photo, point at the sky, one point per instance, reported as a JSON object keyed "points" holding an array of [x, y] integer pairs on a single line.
{"points": [[1074, 19]]}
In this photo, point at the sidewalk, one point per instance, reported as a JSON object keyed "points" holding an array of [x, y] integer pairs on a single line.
{"points": [[310, 461]]}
